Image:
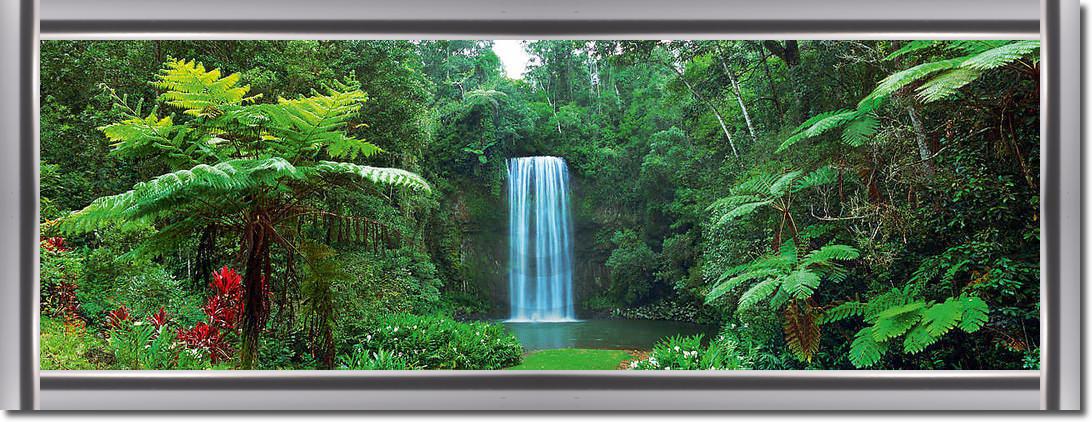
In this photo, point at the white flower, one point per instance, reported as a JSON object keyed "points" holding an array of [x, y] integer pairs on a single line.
{"points": [[676, 348]]}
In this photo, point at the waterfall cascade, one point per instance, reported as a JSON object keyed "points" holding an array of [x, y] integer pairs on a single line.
{"points": [[540, 241]]}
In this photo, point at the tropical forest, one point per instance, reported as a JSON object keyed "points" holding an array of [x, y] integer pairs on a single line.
{"points": [[539, 205]]}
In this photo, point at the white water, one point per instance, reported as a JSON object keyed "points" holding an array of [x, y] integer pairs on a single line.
{"points": [[540, 246]]}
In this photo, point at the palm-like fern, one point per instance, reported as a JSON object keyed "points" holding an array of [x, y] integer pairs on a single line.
{"points": [[246, 167], [787, 279], [901, 313], [936, 80], [773, 191]]}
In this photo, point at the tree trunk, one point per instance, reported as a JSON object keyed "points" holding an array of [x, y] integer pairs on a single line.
{"points": [[923, 146], [256, 310], [739, 95], [703, 100]]}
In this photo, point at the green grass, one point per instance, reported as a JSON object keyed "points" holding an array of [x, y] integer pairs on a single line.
{"points": [[573, 359]]}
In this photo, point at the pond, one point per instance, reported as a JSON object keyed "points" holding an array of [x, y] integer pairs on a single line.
{"points": [[602, 333]]}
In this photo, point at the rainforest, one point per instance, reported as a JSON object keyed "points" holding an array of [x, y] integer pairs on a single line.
{"points": [[539, 204]]}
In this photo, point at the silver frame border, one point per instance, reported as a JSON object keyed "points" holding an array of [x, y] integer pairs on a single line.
{"points": [[1061, 376]]}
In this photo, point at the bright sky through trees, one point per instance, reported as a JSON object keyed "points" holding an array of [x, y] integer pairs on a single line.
{"points": [[512, 56]]}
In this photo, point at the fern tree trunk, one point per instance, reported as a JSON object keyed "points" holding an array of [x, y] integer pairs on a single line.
{"points": [[256, 242]]}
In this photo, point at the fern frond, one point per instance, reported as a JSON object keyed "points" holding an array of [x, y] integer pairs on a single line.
{"points": [[946, 85], [842, 312], [1002, 55], [942, 317], [865, 351], [975, 313], [860, 131], [757, 293], [801, 284], [821, 176], [917, 339], [830, 252], [196, 91], [740, 211], [911, 47], [378, 175], [830, 121], [782, 184], [902, 78], [888, 328], [733, 282], [801, 330]]}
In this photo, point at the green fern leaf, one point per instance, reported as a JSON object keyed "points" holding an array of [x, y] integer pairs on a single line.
{"points": [[942, 317], [830, 121], [1002, 55], [865, 351], [911, 47], [860, 131], [891, 327], [831, 253], [821, 176], [378, 175], [801, 284], [199, 92], [843, 311], [946, 85], [731, 283], [975, 313], [757, 293], [902, 78], [917, 339]]}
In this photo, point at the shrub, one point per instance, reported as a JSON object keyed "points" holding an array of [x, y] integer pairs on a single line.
{"points": [[61, 271], [66, 346], [688, 353], [142, 345], [363, 359], [438, 342], [631, 266]]}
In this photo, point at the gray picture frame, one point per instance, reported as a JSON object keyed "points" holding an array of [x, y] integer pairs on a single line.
{"points": [[1056, 387]]}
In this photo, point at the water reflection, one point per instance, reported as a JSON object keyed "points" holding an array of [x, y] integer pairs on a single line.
{"points": [[601, 334]]}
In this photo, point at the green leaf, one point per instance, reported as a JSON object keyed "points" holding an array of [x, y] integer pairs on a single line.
{"points": [[975, 313], [942, 317], [894, 326], [844, 311], [946, 85], [860, 131], [865, 351], [801, 283], [917, 340], [821, 176], [757, 293]]}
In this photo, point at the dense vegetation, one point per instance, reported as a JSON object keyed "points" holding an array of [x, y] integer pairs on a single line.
{"points": [[340, 204]]}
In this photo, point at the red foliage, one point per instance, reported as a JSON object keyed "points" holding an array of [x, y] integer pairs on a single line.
{"points": [[224, 309], [207, 337], [54, 244], [159, 319], [117, 318], [69, 305]]}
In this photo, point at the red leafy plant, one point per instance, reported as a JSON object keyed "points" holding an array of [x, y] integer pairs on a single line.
{"points": [[54, 244], [118, 318], [224, 309], [159, 319]]}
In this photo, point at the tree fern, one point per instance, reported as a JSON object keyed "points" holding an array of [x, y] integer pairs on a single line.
{"points": [[897, 314], [246, 167], [936, 80]]}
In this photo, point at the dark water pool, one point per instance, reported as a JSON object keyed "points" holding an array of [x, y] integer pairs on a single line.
{"points": [[602, 333]]}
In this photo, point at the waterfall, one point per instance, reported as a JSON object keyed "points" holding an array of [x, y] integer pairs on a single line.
{"points": [[540, 248]]}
